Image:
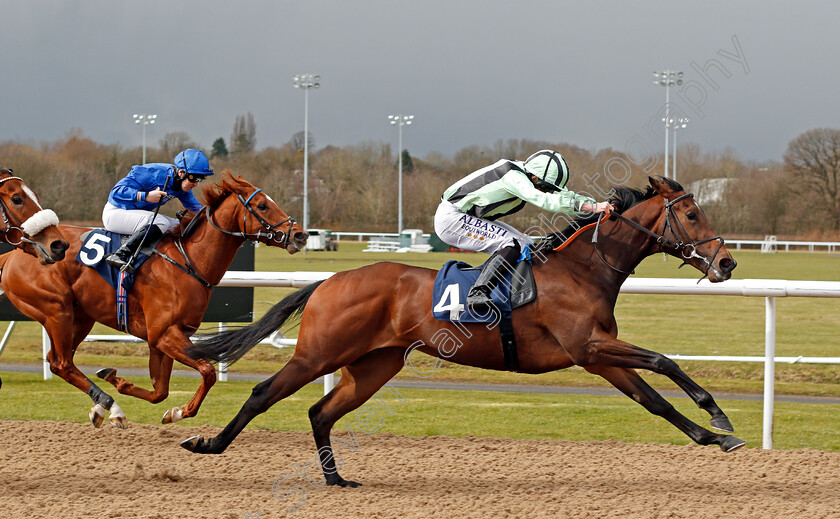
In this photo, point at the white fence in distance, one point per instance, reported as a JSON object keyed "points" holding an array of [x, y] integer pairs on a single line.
{"points": [[767, 244], [770, 289]]}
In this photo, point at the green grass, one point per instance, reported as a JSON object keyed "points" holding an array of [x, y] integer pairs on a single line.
{"points": [[440, 412], [700, 325], [703, 325]]}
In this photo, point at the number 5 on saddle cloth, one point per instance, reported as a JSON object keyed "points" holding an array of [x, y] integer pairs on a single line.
{"points": [[517, 288], [96, 245]]}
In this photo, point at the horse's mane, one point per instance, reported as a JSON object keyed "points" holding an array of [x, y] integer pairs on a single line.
{"points": [[215, 194], [623, 198], [212, 196]]}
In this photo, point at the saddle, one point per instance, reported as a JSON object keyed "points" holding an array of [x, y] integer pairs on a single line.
{"points": [[516, 289], [98, 243], [523, 289]]}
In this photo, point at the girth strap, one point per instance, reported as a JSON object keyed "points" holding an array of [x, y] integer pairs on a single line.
{"points": [[189, 270], [509, 344]]}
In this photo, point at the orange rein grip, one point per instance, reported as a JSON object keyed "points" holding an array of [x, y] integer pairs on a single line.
{"points": [[578, 233]]}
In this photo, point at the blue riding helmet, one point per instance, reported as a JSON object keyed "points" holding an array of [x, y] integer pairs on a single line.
{"points": [[193, 162]]}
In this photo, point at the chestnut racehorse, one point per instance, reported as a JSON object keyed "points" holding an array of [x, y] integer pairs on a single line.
{"points": [[166, 303], [368, 321], [26, 225]]}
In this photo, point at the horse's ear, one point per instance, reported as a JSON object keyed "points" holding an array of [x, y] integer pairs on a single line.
{"points": [[661, 185]]}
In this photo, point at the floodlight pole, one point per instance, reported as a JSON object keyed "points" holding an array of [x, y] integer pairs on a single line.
{"points": [[144, 120], [400, 120], [667, 78], [306, 82], [678, 124]]}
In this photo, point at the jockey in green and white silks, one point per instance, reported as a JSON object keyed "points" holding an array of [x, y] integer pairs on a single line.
{"points": [[467, 215]]}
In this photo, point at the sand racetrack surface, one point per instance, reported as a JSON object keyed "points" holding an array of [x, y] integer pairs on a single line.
{"points": [[67, 470]]}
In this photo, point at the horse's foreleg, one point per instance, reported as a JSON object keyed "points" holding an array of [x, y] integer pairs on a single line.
{"points": [[359, 381], [66, 332], [294, 375], [631, 384], [618, 353], [64, 368]]}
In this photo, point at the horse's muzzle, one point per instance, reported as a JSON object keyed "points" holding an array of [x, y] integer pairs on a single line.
{"points": [[297, 241], [723, 270], [58, 248]]}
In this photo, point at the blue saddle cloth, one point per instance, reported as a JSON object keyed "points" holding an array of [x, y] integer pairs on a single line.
{"points": [[449, 295], [98, 243]]}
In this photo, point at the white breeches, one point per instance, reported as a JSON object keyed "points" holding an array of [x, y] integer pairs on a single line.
{"points": [[129, 221], [475, 234]]}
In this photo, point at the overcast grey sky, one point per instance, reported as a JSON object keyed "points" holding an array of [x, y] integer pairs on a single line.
{"points": [[472, 72]]}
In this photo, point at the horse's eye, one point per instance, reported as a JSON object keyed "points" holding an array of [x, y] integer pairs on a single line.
{"points": [[262, 206], [17, 200], [691, 215]]}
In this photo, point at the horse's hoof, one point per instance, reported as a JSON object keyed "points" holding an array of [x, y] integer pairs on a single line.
{"points": [[96, 419], [104, 373], [191, 443], [730, 443], [120, 422], [173, 415], [344, 483], [97, 415], [722, 424]]}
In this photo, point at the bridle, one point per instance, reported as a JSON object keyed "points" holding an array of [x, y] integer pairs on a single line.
{"points": [[271, 234], [271, 231], [686, 249], [18, 225]]}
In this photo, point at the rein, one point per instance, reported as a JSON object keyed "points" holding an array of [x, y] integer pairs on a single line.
{"points": [[687, 250], [272, 230], [270, 235]]}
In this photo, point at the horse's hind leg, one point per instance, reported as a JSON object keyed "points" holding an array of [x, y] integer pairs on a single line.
{"points": [[631, 384], [172, 344], [359, 381], [160, 370], [294, 375], [618, 353]]}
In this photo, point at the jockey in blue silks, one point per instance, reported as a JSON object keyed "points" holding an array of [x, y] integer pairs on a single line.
{"points": [[133, 201]]}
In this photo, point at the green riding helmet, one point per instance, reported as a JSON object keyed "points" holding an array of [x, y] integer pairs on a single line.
{"points": [[550, 167]]}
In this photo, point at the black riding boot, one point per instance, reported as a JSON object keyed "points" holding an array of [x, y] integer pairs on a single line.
{"points": [[122, 256], [499, 263]]}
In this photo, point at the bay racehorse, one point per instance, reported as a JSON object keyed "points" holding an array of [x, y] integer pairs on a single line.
{"points": [[368, 321], [168, 299], [27, 225]]}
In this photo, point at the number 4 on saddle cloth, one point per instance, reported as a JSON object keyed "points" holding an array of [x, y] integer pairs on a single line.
{"points": [[449, 296], [96, 245], [455, 279]]}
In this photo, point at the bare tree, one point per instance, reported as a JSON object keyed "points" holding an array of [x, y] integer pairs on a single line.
{"points": [[814, 157], [298, 141], [174, 142], [244, 137]]}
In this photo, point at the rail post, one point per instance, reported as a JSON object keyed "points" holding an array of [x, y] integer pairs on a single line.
{"points": [[769, 369]]}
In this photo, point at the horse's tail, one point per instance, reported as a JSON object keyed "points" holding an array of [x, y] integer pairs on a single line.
{"points": [[230, 345]]}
